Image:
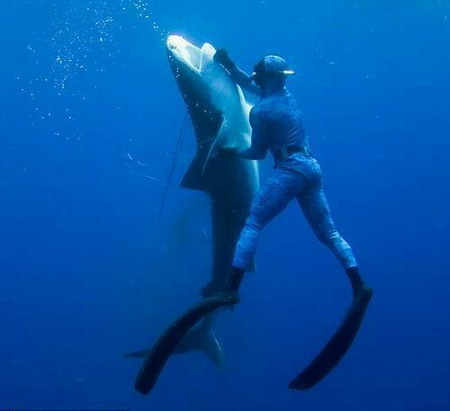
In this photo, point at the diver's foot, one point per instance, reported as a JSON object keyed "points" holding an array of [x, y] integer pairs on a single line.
{"points": [[229, 290], [363, 292], [359, 287]]}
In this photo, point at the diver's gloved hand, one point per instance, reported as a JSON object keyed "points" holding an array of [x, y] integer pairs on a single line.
{"points": [[222, 57]]}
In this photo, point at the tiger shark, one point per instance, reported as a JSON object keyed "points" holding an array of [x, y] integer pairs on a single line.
{"points": [[219, 114], [220, 118]]}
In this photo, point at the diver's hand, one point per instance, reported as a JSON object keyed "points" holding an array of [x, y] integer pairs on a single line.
{"points": [[222, 57]]}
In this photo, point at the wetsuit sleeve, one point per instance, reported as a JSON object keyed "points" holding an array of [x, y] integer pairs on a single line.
{"points": [[258, 148], [241, 78]]}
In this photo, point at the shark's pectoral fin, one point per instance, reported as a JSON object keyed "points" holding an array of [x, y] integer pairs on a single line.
{"points": [[193, 178], [218, 142]]}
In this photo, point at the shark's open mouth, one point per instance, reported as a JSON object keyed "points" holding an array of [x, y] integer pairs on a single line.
{"points": [[185, 52]]}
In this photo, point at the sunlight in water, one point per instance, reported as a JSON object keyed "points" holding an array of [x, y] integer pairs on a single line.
{"points": [[82, 41]]}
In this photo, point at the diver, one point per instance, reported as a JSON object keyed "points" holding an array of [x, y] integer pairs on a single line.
{"points": [[277, 127]]}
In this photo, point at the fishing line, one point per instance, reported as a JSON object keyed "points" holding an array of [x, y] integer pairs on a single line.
{"points": [[176, 154], [139, 160]]}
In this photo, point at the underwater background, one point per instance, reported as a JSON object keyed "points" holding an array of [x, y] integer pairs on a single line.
{"points": [[89, 272]]}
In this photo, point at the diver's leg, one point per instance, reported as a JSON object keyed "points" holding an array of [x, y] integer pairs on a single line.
{"points": [[270, 201], [316, 210]]}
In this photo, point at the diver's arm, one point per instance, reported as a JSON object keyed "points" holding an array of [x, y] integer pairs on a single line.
{"points": [[259, 147], [241, 78], [255, 152]]}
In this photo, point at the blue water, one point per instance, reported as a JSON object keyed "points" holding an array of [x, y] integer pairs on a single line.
{"points": [[86, 278]]}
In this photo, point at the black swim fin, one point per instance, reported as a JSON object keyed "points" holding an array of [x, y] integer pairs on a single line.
{"points": [[338, 344], [171, 338]]}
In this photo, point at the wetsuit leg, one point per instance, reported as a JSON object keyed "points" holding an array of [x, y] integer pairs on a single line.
{"points": [[316, 210], [270, 201]]}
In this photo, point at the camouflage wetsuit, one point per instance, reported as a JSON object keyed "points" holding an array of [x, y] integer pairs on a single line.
{"points": [[277, 124]]}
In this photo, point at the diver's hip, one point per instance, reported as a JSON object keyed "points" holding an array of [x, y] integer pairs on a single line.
{"points": [[307, 166]]}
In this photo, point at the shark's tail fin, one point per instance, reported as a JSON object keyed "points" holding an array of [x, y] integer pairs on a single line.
{"points": [[212, 348], [200, 338]]}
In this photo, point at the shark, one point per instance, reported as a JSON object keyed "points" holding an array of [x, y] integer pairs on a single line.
{"points": [[219, 115]]}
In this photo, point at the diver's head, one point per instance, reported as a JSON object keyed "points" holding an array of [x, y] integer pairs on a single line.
{"points": [[270, 73]]}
